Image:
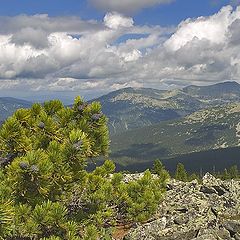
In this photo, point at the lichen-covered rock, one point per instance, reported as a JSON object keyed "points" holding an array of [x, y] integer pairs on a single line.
{"points": [[237, 236], [193, 211], [206, 237], [135, 176], [232, 226]]}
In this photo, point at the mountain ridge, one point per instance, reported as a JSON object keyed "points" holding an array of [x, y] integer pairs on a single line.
{"points": [[131, 108]]}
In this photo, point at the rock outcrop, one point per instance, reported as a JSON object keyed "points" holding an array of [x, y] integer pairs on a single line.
{"points": [[193, 211]]}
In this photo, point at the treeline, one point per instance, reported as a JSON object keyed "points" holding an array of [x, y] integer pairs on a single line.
{"points": [[181, 173]]}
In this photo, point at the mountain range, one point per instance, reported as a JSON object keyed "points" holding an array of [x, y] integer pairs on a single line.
{"points": [[132, 108], [196, 123]]}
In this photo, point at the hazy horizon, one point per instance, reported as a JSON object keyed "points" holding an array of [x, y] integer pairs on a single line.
{"points": [[68, 98]]}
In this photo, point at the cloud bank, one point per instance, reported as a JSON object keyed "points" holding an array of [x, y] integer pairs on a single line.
{"points": [[42, 53]]}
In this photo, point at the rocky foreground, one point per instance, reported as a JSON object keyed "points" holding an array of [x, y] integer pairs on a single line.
{"points": [[193, 211]]}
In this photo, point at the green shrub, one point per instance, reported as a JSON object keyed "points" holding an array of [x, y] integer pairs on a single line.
{"points": [[181, 173], [159, 169], [45, 190], [138, 200]]}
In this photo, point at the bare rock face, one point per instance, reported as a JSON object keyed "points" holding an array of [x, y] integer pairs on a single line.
{"points": [[193, 211]]}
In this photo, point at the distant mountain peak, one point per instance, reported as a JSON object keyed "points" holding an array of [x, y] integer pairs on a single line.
{"points": [[232, 83], [227, 89], [225, 83]]}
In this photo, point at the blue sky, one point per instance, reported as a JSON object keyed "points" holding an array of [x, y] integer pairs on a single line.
{"points": [[60, 48], [178, 11], [167, 14]]}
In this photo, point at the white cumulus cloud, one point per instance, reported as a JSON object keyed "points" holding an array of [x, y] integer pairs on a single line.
{"points": [[115, 20], [42, 53], [213, 29]]}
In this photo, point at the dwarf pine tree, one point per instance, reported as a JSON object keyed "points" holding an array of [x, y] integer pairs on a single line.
{"points": [[181, 173], [45, 190], [159, 169], [233, 172]]}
